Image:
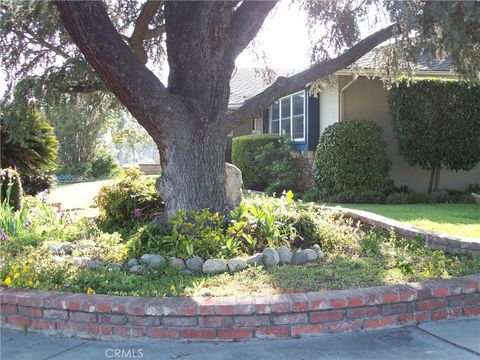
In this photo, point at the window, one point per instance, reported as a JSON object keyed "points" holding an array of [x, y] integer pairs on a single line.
{"points": [[287, 116], [254, 126]]}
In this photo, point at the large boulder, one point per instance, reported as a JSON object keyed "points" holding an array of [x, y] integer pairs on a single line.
{"points": [[152, 260], [311, 254], [195, 264], [214, 266], [176, 263], [270, 257], [233, 185], [255, 260], [236, 264], [299, 258], [285, 255]]}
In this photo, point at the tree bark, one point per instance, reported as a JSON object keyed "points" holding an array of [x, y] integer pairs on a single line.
{"points": [[432, 178], [437, 178]]}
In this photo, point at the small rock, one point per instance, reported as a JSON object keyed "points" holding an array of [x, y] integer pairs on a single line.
{"points": [[285, 255], [316, 248], [94, 264], [195, 264], [320, 254], [58, 259], [58, 248], [236, 264], [255, 260], [114, 266], [270, 257], [65, 248], [299, 258], [152, 260], [132, 262], [233, 185], [177, 263], [311, 255], [138, 269], [187, 272], [85, 244], [214, 266], [80, 260]]}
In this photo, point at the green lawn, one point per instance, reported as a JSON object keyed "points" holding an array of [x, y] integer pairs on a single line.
{"points": [[77, 195], [453, 219]]}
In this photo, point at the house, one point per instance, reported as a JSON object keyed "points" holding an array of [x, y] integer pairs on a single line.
{"points": [[305, 117]]}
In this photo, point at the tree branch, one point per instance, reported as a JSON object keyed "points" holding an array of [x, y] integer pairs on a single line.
{"points": [[141, 29], [137, 88], [43, 43], [284, 86], [246, 22]]}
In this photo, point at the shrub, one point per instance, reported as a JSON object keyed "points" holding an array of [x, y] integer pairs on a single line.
{"points": [[104, 166], [245, 150], [38, 182], [11, 188], [351, 156], [131, 200], [409, 198], [437, 125], [359, 197]]}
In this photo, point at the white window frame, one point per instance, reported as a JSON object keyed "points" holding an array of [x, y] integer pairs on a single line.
{"points": [[302, 93]]}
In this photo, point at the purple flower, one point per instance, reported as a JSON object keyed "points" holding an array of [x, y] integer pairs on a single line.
{"points": [[43, 196], [137, 213], [60, 215], [3, 235]]}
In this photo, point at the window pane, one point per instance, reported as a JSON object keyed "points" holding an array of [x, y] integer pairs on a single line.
{"points": [[275, 125], [286, 126], [298, 127], [286, 108], [275, 110], [298, 105]]}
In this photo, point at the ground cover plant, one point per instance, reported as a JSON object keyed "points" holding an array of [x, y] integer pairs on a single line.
{"points": [[45, 249]]}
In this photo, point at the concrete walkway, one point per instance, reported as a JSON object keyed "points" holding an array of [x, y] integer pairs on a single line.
{"points": [[452, 340]]}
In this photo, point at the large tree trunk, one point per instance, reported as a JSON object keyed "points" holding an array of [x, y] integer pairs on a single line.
{"points": [[193, 171]]}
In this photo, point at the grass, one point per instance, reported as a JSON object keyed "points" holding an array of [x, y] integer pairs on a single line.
{"points": [[453, 219], [77, 195]]}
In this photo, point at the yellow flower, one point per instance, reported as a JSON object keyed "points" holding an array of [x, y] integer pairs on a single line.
{"points": [[16, 276], [26, 267], [15, 267], [172, 288], [8, 281], [30, 283], [90, 291]]}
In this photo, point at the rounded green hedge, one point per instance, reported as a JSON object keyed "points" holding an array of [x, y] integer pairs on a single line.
{"points": [[244, 150], [351, 156]]}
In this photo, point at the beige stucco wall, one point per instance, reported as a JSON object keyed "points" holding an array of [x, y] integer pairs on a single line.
{"points": [[246, 127], [366, 99]]}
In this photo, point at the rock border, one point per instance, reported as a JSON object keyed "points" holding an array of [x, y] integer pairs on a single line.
{"points": [[241, 317], [447, 243]]}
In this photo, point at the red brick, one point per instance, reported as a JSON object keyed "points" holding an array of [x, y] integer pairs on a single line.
{"points": [[8, 299], [407, 295], [122, 331], [179, 321], [74, 304], [163, 332], [430, 304], [462, 300], [144, 320], [139, 306], [470, 287], [391, 297], [93, 329], [323, 316], [206, 306], [235, 333], [244, 305], [399, 308], [89, 305], [440, 292], [106, 330], [317, 301], [300, 318], [55, 314], [379, 322], [406, 319], [422, 316], [17, 320], [215, 321], [8, 309], [188, 308], [43, 324], [263, 308], [446, 314], [71, 326], [198, 333], [471, 311], [83, 317], [307, 329], [272, 331], [299, 303], [139, 331], [281, 303], [119, 307], [341, 326], [355, 301], [113, 319], [373, 298], [224, 310], [362, 312], [337, 303], [103, 307], [253, 320], [30, 311]]}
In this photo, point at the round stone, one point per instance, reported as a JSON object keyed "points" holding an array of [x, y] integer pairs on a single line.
{"points": [[270, 257], [152, 260], [94, 264], [214, 266], [236, 264], [132, 262], [285, 255], [255, 260], [114, 266], [195, 264], [187, 272], [80, 260], [316, 248], [311, 255], [177, 263], [299, 258], [138, 269]]}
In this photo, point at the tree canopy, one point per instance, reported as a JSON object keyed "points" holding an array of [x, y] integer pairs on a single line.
{"points": [[123, 42]]}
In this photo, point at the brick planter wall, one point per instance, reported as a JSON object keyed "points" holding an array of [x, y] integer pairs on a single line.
{"points": [[101, 316]]}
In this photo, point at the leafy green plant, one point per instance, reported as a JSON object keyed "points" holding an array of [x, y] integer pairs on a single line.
{"points": [[351, 156], [408, 198], [11, 188], [103, 166]]}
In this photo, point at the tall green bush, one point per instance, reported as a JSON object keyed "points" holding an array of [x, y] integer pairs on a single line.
{"points": [[244, 151], [437, 124], [351, 156]]}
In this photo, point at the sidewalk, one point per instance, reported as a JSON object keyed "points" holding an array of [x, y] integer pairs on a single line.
{"points": [[452, 340]]}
